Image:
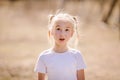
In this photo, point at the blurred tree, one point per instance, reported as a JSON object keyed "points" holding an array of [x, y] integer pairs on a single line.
{"points": [[12, 0], [109, 13]]}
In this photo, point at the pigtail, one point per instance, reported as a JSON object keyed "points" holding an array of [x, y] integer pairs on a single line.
{"points": [[75, 21], [76, 24], [75, 18], [50, 18]]}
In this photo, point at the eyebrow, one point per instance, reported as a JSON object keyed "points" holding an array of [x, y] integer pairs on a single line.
{"points": [[59, 26], [67, 27]]}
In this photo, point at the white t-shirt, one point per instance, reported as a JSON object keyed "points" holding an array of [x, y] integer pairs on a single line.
{"points": [[60, 66]]}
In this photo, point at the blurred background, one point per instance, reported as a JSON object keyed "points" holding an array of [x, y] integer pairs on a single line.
{"points": [[23, 35]]}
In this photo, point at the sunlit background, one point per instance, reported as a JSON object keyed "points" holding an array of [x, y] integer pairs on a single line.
{"points": [[23, 35]]}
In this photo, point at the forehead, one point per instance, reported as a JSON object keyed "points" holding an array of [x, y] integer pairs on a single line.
{"points": [[63, 22]]}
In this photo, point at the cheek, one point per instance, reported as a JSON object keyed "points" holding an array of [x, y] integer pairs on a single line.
{"points": [[57, 32], [53, 32], [72, 33]]}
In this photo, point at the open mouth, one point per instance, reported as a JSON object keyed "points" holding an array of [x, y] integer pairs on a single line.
{"points": [[61, 39]]}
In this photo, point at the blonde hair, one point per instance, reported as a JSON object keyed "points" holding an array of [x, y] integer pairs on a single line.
{"points": [[73, 19]]}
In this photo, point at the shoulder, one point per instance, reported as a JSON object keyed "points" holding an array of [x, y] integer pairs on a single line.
{"points": [[75, 52], [78, 56], [45, 53]]}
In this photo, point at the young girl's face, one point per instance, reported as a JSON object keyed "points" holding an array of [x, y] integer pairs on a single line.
{"points": [[62, 31]]}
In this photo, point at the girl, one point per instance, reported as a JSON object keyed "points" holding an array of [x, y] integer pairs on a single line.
{"points": [[61, 62]]}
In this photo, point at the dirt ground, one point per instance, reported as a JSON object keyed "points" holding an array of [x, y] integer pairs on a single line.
{"points": [[23, 35]]}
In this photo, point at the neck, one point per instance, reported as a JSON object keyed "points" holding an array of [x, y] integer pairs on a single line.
{"points": [[60, 48]]}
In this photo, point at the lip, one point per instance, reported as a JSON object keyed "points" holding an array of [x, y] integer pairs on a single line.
{"points": [[62, 39]]}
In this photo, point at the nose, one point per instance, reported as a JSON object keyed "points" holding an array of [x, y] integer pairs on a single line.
{"points": [[62, 33]]}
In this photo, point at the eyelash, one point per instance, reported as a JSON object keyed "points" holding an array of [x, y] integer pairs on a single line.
{"points": [[58, 28], [65, 29]]}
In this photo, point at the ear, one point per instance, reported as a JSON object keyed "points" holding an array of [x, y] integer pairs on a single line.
{"points": [[49, 33]]}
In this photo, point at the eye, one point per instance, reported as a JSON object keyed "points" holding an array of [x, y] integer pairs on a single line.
{"points": [[58, 29], [66, 29]]}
